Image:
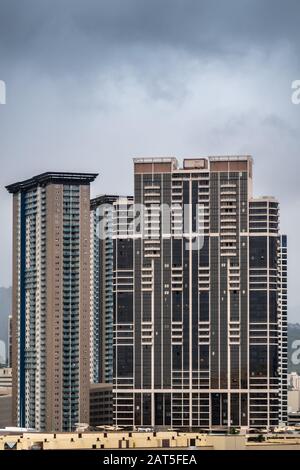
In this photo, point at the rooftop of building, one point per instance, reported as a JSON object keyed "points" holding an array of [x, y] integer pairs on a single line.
{"points": [[264, 199], [53, 178], [101, 386], [108, 199], [194, 163]]}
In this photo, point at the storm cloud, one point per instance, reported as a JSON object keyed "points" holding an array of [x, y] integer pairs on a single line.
{"points": [[92, 83]]}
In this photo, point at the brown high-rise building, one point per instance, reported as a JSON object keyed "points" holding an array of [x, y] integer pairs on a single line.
{"points": [[51, 301], [200, 315]]}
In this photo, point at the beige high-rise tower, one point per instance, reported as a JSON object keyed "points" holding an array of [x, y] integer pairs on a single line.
{"points": [[51, 301]]}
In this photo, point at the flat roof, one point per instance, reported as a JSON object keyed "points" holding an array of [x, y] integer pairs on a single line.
{"points": [[264, 199], [155, 160], [186, 167], [108, 199], [54, 178], [230, 158]]}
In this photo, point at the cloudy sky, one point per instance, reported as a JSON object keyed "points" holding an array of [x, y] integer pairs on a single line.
{"points": [[93, 83]]}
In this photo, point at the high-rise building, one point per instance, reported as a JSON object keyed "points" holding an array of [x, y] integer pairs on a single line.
{"points": [[109, 216], [101, 405], [51, 301], [198, 337], [101, 289], [294, 381]]}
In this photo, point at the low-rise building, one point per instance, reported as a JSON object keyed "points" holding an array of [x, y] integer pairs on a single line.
{"points": [[101, 405], [146, 440], [5, 381], [294, 401], [294, 381]]}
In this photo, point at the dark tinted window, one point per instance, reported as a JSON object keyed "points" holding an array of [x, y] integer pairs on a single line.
{"points": [[125, 307], [258, 252], [258, 307]]}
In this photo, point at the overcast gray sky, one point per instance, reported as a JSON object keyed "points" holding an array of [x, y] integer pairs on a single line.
{"points": [[93, 83]]}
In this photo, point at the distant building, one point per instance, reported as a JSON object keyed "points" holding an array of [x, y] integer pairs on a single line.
{"points": [[51, 301], [5, 411], [294, 419], [101, 405], [5, 397], [6, 379], [9, 358], [294, 381], [2, 354], [294, 401]]}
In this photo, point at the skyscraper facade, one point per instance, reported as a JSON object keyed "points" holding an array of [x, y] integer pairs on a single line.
{"points": [[51, 301], [199, 333], [110, 217]]}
